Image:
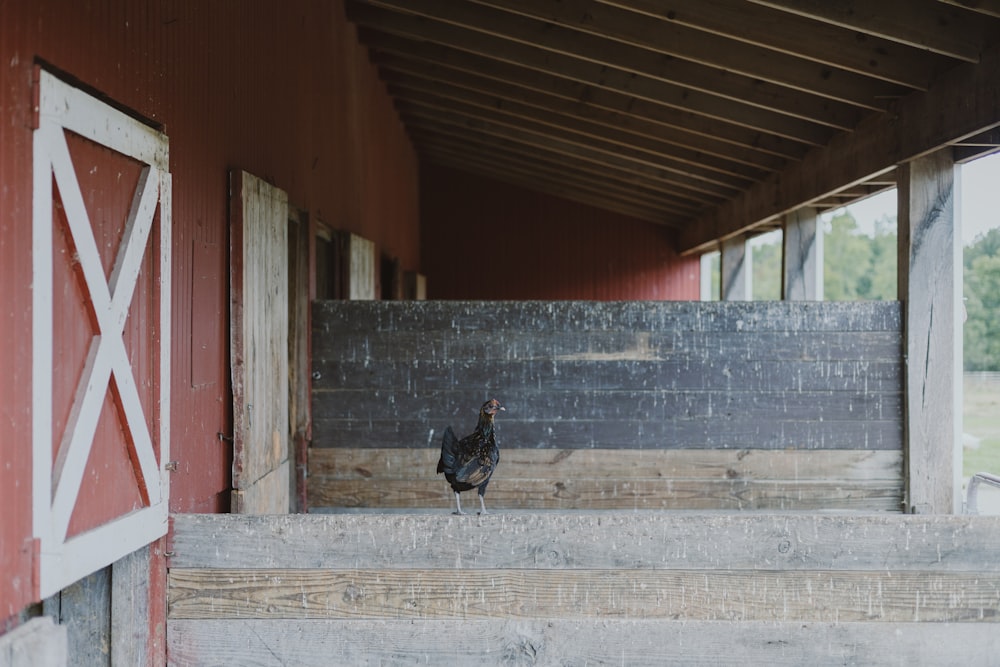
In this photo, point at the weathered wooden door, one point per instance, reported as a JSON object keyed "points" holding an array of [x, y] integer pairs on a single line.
{"points": [[259, 345], [101, 334]]}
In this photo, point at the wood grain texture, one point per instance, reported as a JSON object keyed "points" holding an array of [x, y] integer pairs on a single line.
{"points": [[40, 642], [619, 479], [589, 540], [627, 494], [744, 464], [638, 643], [718, 595], [130, 609], [627, 376], [930, 265], [259, 343], [549, 588]]}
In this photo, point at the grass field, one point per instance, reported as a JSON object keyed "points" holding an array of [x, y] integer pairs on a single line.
{"points": [[981, 418]]}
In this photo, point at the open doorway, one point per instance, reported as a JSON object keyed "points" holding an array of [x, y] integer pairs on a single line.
{"points": [[980, 225]]}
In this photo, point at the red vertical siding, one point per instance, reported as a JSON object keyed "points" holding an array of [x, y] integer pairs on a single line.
{"points": [[282, 90], [487, 240]]}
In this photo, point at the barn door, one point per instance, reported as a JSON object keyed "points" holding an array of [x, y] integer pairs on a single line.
{"points": [[259, 344], [101, 334]]}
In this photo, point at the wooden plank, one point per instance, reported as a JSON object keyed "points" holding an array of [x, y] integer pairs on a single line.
{"points": [[569, 54], [696, 373], [699, 132], [37, 643], [268, 495], [802, 256], [85, 612], [299, 336], [638, 643], [559, 316], [259, 341], [929, 25], [419, 464], [964, 103], [130, 609], [591, 541], [623, 494], [436, 407], [361, 267], [719, 595], [607, 344], [539, 431], [930, 282]]}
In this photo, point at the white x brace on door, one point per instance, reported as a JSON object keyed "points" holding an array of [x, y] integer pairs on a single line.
{"points": [[108, 375]]}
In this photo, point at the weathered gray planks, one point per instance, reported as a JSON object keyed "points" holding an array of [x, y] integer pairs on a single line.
{"points": [[619, 479], [638, 643], [590, 541], [583, 588], [930, 271], [719, 595], [259, 344], [40, 642], [583, 376], [418, 465]]}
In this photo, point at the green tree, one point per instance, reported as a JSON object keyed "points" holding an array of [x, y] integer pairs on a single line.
{"points": [[857, 266], [767, 271], [982, 292]]}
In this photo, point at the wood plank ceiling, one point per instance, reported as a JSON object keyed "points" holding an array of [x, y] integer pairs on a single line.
{"points": [[712, 117]]}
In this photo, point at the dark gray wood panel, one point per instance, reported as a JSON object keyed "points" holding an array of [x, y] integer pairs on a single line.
{"points": [[765, 375]]}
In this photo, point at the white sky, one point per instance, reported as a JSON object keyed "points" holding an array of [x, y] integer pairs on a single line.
{"points": [[979, 205]]}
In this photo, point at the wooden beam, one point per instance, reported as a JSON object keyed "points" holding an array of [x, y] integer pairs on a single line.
{"points": [[597, 129], [930, 283], [571, 106], [130, 608], [985, 7], [710, 174], [421, 594], [490, 33], [619, 479], [799, 36], [673, 541], [924, 24], [737, 271], [605, 641], [429, 133], [802, 256], [593, 152], [579, 92], [676, 39], [964, 103]]}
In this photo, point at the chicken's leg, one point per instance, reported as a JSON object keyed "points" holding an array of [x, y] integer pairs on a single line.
{"points": [[458, 504], [482, 504]]}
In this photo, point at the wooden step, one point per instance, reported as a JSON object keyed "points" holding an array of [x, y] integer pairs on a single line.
{"points": [[597, 587]]}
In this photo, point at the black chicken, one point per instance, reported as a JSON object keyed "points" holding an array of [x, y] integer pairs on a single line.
{"points": [[469, 463]]}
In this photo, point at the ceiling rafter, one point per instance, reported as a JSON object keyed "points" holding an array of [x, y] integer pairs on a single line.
{"points": [[711, 117]]}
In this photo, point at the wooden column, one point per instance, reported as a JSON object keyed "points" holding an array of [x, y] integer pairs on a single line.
{"points": [[929, 284], [802, 256], [737, 270]]}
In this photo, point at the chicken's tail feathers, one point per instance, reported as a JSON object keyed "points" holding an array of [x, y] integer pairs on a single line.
{"points": [[449, 449]]}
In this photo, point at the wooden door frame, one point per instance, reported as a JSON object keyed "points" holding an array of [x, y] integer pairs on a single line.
{"points": [[243, 410]]}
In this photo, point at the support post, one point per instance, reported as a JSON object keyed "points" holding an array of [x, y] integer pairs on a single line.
{"points": [[736, 270], [929, 286], [802, 256]]}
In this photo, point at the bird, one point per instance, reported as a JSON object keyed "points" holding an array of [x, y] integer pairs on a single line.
{"points": [[469, 463]]}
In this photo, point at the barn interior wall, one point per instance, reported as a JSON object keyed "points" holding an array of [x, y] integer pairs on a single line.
{"points": [[282, 90], [481, 239]]}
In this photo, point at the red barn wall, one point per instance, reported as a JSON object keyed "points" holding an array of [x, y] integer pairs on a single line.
{"points": [[481, 239], [282, 90]]}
